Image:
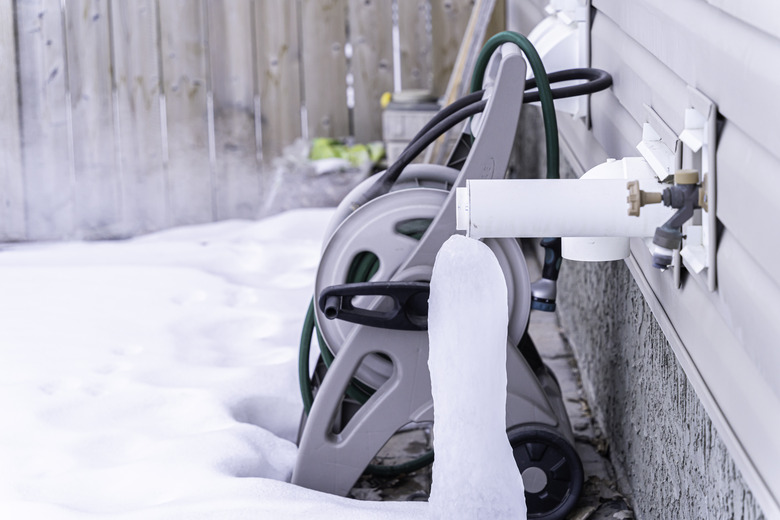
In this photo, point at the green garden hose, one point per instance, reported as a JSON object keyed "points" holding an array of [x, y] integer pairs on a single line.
{"points": [[542, 82]]}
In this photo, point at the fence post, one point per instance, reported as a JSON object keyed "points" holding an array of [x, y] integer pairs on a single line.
{"points": [[184, 72], [137, 85], [371, 36], [325, 67], [414, 18], [278, 74], [460, 76], [12, 225], [449, 19], [98, 187], [231, 51], [46, 132]]}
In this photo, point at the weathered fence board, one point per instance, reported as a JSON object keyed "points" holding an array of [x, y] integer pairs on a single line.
{"points": [[325, 67], [414, 20], [235, 166], [97, 190], [460, 79], [48, 168], [371, 36], [11, 180], [278, 74], [184, 70], [125, 117], [136, 66], [449, 19], [497, 20]]}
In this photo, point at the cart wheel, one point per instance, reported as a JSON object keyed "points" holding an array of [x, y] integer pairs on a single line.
{"points": [[551, 469]]}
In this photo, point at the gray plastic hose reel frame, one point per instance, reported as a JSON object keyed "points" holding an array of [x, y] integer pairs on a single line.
{"points": [[332, 461]]}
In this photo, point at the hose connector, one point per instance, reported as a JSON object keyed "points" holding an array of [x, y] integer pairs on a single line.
{"points": [[544, 290]]}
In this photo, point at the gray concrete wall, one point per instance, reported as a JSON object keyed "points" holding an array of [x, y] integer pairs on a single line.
{"points": [[670, 460]]}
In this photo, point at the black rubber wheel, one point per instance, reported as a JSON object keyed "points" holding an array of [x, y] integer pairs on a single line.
{"points": [[552, 470]]}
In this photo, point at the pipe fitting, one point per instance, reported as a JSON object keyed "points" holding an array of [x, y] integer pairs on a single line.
{"points": [[662, 257], [667, 237], [682, 177], [684, 197]]}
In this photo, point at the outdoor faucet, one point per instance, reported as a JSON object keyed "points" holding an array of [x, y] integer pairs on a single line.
{"points": [[685, 196]]}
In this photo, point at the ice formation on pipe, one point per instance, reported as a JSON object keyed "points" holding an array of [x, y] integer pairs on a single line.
{"points": [[474, 473]]}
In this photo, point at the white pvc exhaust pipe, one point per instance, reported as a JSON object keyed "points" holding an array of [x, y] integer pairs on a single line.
{"points": [[587, 209]]}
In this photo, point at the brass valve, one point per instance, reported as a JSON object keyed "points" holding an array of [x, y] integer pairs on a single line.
{"points": [[638, 198]]}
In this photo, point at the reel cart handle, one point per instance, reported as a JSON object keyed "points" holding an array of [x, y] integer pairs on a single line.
{"points": [[409, 310]]}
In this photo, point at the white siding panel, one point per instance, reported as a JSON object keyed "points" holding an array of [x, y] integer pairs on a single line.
{"points": [[761, 14], [725, 340], [748, 186], [727, 60], [614, 127], [745, 179], [638, 76], [522, 17], [750, 304]]}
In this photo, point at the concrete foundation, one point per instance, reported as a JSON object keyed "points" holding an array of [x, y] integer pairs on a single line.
{"points": [[669, 459]]}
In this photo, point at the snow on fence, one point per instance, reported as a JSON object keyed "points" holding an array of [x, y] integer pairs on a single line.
{"points": [[124, 116]]}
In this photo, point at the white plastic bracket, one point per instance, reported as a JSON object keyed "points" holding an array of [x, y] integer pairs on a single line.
{"points": [[699, 138], [563, 42], [660, 146]]}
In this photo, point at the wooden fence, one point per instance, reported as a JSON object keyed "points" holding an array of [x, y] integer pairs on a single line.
{"points": [[119, 117]]}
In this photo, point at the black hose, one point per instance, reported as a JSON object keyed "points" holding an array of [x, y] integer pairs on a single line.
{"points": [[596, 81], [447, 111], [386, 181]]}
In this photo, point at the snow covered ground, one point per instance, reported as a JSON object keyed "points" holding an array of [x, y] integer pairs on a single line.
{"points": [[156, 378]]}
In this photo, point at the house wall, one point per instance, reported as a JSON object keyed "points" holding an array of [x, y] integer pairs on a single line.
{"points": [[684, 380]]}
